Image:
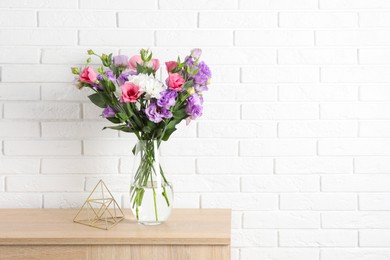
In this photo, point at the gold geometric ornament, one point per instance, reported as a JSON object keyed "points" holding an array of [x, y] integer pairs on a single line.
{"points": [[100, 210]]}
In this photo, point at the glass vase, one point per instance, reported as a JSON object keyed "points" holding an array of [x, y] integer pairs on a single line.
{"points": [[151, 195]]}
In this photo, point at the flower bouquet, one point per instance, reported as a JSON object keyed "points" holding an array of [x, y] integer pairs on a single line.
{"points": [[137, 102]]}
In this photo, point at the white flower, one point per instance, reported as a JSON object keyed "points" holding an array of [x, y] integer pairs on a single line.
{"points": [[149, 85]]}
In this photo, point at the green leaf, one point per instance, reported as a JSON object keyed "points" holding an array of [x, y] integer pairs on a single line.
{"points": [[98, 100], [180, 114], [188, 84], [122, 116], [123, 128], [114, 120]]}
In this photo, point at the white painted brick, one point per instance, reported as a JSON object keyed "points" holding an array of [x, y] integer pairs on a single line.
{"points": [[170, 165], [109, 147], [19, 55], [319, 201], [198, 38], [79, 165], [240, 201], [36, 73], [318, 238], [118, 4], [279, 253], [237, 129], [278, 4], [372, 165], [225, 75], [275, 111], [183, 130], [277, 148], [186, 200], [2, 183], [200, 147], [19, 129], [280, 183], [66, 200], [254, 238], [90, 111], [317, 56], [353, 37], [375, 201], [355, 253], [234, 19], [20, 200], [317, 93], [117, 183], [19, 91], [354, 147], [17, 18], [374, 19], [82, 130], [362, 74], [317, 20], [19, 165], [375, 93], [281, 220], [353, 220], [242, 92], [76, 19], [236, 219], [157, 19], [374, 238], [38, 4], [354, 111], [317, 129], [62, 92], [374, 129], [42, 147], [40, 183], [354, 4], [239, 56], [273, 38], [106, 37], [37, 37], [234, 165], [200, 5], [313, 165], [279, 74], [41, 110], [203, 183], [356, 183], [377, 56], [72, 56]]}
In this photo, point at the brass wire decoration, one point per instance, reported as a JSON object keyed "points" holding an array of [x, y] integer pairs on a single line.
{"points": [[100, 210]]}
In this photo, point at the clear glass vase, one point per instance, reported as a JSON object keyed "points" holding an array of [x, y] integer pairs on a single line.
{"points": [[151, 195]]}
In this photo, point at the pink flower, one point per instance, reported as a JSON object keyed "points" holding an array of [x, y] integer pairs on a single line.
{"points": [[171, 65], [88, 75], [136, 59], [130, 92], [175, 81], [156, 64]]}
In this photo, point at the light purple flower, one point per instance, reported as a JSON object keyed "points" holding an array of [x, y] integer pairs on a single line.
{"points": [[157, 114], [108, 112], [201, 78], [167, 99], [124, 76], [120, 61], [195, 53], [194, 106], [110, 75]]}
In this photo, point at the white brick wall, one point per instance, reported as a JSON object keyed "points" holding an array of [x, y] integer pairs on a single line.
{"points": [[295, 136]]}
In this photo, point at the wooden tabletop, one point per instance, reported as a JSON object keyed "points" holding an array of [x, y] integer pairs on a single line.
{"points": [[56, 227]]}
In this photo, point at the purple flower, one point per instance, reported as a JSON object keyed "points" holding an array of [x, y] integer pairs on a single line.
{"points": [[195, 53], [108, 112], [99, 77], [194, 106], [201, 78], [120, 61], [110, 75], [167, 98], [124, 76], [157, 114], [97, 86]]}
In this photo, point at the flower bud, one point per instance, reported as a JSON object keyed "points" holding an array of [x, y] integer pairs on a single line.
{"points": [[191, 90], [75, 71], [90, 52]]}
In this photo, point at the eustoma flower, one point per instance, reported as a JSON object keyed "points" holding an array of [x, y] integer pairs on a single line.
{"points": [[167, 99], [130, 92], [156, 114], [175, 81], [120, 61], [108, 112], [194, 106], [88, 75], [171, 65]]}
